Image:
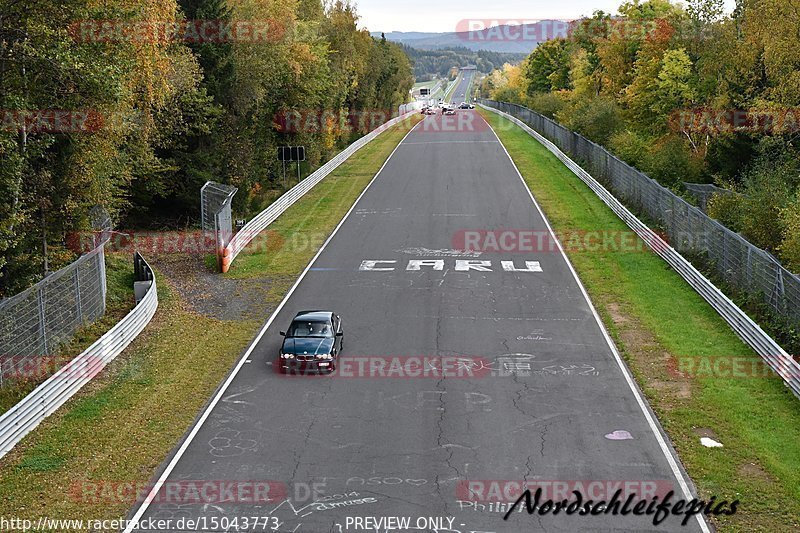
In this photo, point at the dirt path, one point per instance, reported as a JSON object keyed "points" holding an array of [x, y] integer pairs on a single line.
{"points": [[211, 294]]}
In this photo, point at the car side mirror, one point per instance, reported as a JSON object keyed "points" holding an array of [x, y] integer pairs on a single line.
{"points": [[340, 334], [283, 333]]}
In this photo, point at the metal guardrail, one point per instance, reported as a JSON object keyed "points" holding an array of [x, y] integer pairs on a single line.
{"points": [[61, 386], [411, 106], [734, 260], [750, 332], [258, 223]]}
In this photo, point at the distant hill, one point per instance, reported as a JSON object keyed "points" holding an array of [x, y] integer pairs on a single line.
{"points": [[521, 39]]}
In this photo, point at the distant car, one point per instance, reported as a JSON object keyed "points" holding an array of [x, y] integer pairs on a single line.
{"points": [[424, 110], [430, 111], [464, 105], [449, 111], [313, 342]]}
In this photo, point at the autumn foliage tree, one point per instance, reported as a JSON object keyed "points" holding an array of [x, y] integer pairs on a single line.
{"points": [[634, 81], [167, 113]]}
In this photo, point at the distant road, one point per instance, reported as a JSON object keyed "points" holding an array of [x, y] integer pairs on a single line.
{"points": [[459, 94]]}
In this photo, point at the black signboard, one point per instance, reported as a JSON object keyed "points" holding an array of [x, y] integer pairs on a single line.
{"points": [[291, 153]]}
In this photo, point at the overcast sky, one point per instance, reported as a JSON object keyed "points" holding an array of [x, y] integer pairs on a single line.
{"points": [[444, 15]]}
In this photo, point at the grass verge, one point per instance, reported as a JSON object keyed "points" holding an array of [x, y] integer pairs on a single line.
{"points": [[119, 300], [123, 424], [661, 324]]}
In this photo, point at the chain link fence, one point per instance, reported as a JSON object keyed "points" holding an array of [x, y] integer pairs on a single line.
{"points": [[35, 322], [689, 230], [71, 375], [215, 215]]}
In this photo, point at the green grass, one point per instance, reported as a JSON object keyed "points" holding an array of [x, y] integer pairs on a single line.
{"points": [[119, 300], [122, 425], [654, 318], [429, 83]]}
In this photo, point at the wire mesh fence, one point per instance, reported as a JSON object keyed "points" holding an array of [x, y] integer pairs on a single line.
{"points": [[68, 377], [215, 215], [689, 230], [37, 321]]}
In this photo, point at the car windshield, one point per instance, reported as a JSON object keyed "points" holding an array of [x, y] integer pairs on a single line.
{"points": [[306, 328]]}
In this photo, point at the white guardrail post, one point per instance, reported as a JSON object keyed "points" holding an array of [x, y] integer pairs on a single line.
{"points": [[61, 386], [751, 333], [255, 226]]}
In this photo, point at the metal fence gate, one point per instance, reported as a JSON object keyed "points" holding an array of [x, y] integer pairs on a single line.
{"points": [[216, 217]]}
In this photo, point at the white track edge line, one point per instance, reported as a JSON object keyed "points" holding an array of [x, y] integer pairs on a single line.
{"points": [[199, 424], [671, 459]]}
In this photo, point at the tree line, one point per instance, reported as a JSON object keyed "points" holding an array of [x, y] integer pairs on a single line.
{"points": [[439, 63], [133, 106], [685, 93]]}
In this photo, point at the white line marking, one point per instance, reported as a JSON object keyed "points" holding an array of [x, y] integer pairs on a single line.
{"points": [[185, 445], [642, 405]]}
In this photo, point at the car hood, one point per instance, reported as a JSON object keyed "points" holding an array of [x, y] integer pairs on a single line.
{"points": [[307, 345]]}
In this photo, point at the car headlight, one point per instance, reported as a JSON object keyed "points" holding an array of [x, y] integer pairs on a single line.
{"points": [[287, 356], [324, 356]]}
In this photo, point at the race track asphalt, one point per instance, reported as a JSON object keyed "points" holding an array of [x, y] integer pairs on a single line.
{"points": [[521, 382], [460, 92]]}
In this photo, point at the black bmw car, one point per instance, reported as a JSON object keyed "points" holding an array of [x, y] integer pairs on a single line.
{"points": [[313, 342]]}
